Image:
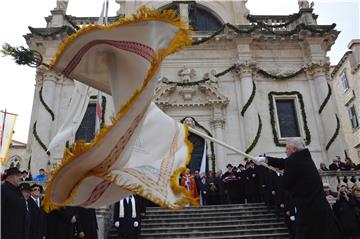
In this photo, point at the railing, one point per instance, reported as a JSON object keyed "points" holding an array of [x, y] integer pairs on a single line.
{"points": [[336, 178]]}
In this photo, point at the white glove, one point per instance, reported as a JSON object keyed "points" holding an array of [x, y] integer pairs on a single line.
{"points": [[136, 224], [292, 218], [261, 159], [117, 224]]}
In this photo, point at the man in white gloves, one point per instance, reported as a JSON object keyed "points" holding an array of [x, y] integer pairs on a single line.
{"points": [[314, 217], [127, 217]]}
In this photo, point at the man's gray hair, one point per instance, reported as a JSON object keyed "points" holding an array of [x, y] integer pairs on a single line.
{"points": [[298, 143]]}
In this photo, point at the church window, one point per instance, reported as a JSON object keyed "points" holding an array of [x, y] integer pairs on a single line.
{"points": [[344, 81], [287, 116], [200, 19], [86, 130], [353, 117]]}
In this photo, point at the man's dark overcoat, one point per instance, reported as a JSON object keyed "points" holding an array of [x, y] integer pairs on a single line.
{"points": [[314, 218], [13, 208], [38, 220]]}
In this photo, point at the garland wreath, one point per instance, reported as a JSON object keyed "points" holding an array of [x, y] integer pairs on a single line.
{"points": [[336, 133], [211, 143], [39, 140], [303, 114], [256, 139], [250, 100], [45, 105], [269, 29], [322, 106], [233, 67]]}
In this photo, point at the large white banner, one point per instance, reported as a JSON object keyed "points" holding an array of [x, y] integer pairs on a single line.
{"points": [[7, 123]]}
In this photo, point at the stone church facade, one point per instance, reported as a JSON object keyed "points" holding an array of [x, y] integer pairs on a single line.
{"points": [[251, 80]]}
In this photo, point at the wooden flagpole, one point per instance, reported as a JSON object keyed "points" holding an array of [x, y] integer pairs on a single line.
{"points": [[201, 134]]}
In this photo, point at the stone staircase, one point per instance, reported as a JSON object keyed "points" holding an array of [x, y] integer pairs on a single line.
{"points": [[253, 220]]}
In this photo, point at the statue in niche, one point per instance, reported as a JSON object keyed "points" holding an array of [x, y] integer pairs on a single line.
{"points": [[186, 74]]}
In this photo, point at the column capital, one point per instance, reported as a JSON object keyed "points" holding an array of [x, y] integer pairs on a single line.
{"points": [[317, 69], [245, 69], [217, 123]]}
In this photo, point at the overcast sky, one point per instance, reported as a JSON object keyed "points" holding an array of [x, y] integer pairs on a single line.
{"points": [[17, 82]]}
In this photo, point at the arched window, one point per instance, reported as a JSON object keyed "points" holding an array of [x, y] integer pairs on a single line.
{"points": [[200, 19]]}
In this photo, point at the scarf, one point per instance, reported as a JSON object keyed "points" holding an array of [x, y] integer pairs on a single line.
{"points": [[121, 207]]}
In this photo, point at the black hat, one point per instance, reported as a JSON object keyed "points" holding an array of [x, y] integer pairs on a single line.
{"points": [[229, 165], [37, 185], [12, 171], [24, 171], [25, 187], [241, 166]]}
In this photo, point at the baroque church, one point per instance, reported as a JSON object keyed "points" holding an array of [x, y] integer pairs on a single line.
{"points": [[250, 81]]}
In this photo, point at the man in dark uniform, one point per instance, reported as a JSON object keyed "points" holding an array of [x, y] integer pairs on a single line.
{"points": [[127, 218], [12, 206], [87, 218], [61, 223], [25, 191], [314, 218], [38, 215]]}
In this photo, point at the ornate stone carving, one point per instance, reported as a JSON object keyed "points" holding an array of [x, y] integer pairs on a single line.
{"points": [[205, 93], [245, 69], [317, 69], [217, 123]]}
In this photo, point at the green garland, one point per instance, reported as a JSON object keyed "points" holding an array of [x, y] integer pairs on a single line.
{"points": [[199, 81], [269, 29], [23, 56], [322, 106], [39, 140], [256, 139], [45, 105], [336, 133], [250, 100], [303, 114], [280, 77]]}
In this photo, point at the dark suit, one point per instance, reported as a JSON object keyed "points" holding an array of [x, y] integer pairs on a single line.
{"points": [[314, 218], [38, 220], [13, 208], [59, 225], [127, 228], [87, 219]]}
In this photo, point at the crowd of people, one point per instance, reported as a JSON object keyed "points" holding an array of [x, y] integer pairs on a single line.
{"points": [[24, 218], [248, 183], [251, 183]]}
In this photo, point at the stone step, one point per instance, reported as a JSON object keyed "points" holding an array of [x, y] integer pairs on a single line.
{"points": [[244, 205], [184, 224], [206, 210], [184, 215], [257, 236], [206, 233], [197, 228], [199, 218]]}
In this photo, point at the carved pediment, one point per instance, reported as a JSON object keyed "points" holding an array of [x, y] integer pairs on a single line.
{"points": [[188, 91]]}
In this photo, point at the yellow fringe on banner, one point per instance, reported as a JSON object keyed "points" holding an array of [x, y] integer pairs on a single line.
{"points": [[181, 39]]}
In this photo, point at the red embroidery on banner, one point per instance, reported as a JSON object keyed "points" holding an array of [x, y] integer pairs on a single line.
{"points": [[97, 192], [138, 48]]}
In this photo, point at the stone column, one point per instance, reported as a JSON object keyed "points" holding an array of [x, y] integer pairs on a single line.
{"points": [[249, 118], [103, 216], [326, 120], [184, 10], [217, 124], [44, 122]]}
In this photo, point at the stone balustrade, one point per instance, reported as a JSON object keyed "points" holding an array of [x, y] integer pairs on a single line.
{"points": [[335, 178]]}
